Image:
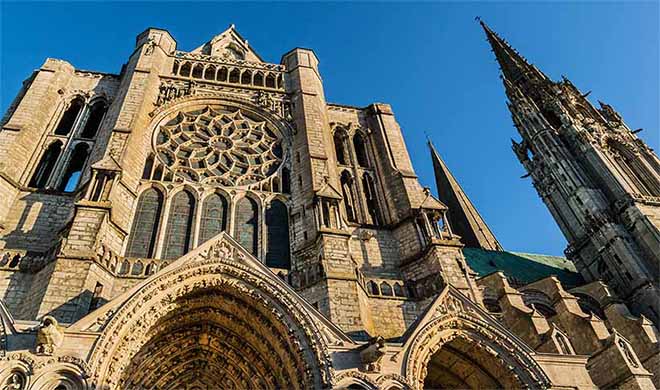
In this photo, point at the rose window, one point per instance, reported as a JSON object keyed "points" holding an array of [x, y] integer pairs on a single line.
{"points": [[217, 146]]}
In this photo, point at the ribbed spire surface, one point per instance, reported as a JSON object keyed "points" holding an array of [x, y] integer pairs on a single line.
{"points": [[464, 218]]}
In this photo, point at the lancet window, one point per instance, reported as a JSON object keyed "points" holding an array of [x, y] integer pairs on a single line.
{"points": [[247, 224], [277, 239], [214, 217], [144, 233], [178, 234], [359, 190], [63, 162]]}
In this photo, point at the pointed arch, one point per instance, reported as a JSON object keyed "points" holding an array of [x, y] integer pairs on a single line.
{"points": [[142, 239], [69, 117], [278, 252], [247, 224], [214, 217], [96, 114], [369, 189], [341, 152], [184, 71], [73, 172], [486, 355], [209, 72], [46, 165], [347, 189], [178, 233], [360, 150], [219, 306]]}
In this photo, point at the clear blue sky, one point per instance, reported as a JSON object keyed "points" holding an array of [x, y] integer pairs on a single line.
{"points": [[430, 61]]}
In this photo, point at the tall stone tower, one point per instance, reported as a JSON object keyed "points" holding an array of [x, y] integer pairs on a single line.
{"points": [[600, 182]]}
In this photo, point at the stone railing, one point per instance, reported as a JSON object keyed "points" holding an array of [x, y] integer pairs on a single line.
{"points": [[130, 267], [22, 260], [229, 71]]}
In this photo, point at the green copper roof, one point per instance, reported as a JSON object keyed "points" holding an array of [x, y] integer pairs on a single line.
{"points": [[523, 268]]}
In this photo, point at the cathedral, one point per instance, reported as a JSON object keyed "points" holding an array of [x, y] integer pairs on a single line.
{"points": [[207, 220]]}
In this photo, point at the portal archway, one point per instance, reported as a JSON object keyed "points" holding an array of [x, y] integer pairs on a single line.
{"points": [[214, 317], [464, 364], [460, 348]]}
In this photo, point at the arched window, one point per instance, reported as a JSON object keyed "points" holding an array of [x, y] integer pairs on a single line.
{"points": [[197, 71], [246, 77], [209, 73], [386, 289], [69, 117], [270, 81], [234, 75], [73, 171], [259, 79], [370, 195], [347, 193], [247, 225], [96, 113], [214, 217], [360, 150], [185, 70], [178, 234], [340, 147], [46, 165], [398, 290], [372, 288], [277, 226], [222, 74], [142, 240]]}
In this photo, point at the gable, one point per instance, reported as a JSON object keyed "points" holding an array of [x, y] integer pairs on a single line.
{"points": [[229, 45]]}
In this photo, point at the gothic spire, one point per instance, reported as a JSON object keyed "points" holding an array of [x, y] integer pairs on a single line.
{"points": [[464, 218], [514, 67]]}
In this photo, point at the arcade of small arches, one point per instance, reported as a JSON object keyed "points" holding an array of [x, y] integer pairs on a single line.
{"points": [[168, 224], [228, 74], [67, 148]]}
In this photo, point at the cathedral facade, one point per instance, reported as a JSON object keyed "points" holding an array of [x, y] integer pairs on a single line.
{"points": [[207, 220]]}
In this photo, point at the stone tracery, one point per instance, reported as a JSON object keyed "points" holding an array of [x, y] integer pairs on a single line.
{"points": [[214, 145]]}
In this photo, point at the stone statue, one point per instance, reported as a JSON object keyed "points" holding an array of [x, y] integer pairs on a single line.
{"points": [[49, 336], [372, 354]]}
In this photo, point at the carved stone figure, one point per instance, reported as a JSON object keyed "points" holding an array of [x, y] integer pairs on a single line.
{"points": [[372, 354], [49, 336]]}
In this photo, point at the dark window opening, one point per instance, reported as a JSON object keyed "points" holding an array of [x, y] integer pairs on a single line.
{"points": [[552, 119], [277, 225], [74, 170], [286, 181], [69, 117], [340, 149], [372, 201], [46, 165], [360, 151], [96, 113], [347, 193]]}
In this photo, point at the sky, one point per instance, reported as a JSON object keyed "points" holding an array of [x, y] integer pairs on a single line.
{"points": [[430, 61]]}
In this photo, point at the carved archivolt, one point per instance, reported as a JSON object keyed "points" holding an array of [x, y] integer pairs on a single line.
{"points": [[455, 321], [221, 272]]}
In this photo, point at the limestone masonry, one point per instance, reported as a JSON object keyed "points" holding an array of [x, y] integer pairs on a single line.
{"points": [[207, 220]]}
